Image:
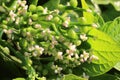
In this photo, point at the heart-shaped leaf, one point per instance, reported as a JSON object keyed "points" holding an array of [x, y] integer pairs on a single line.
{"points": [[105, 49]]}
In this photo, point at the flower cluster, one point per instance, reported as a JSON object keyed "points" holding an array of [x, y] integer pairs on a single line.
{"points": [[42, 35]]}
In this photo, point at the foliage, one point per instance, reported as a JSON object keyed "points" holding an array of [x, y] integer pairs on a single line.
{"points": [[65, 41]]}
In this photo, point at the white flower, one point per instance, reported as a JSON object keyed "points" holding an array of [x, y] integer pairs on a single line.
{"points": [[84, 57], [59, 55], [46, 32], [57, 68], [93, 57], [45, 11], [95, 25], [37, 26], [37, 50], [17, 20], [28, 34], [56, 11], [30, 21], [83, 37], [70, 52], [66, 22], [69, 57], [72, 47], [88, 10], [12, 15], [21, 3], [31, 48], [54, 42], [49, 17], [76, 56]]}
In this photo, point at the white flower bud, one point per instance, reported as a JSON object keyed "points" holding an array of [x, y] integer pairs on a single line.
{"points": [[83, 37], [49, 17]]}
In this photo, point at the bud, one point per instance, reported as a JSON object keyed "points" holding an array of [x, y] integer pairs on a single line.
{"points": [[32, 8]]}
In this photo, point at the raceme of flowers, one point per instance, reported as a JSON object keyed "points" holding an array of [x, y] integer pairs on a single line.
{"points": [[47, 37]]}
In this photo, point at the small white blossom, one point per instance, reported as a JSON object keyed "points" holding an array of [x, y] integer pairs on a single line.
{"points": [[88, 10], [82, 60], [28, 34], [8, 32], [22, 10], [31, 48], [46, 32], [76, 56], [21, 3], [45, 10], [30, 21], [49, 17], [68, 3], [37, 50], [93, 57], [69, 57], [84, 57], [56, 11], [57, 69], [72, 47], [83, 37], [66, 22], [54, 42], [59, 55], [12, 15], [71, 50], [37, 26], [95, 25], [17, 21]]}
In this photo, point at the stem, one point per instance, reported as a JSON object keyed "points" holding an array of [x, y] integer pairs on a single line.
{"points": [[55, 29], [79, 24]]}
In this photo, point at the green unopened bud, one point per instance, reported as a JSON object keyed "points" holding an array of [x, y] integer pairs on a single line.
{"points": [[72, 34], [73, 3], [4, 26], [23, 43], [56, 19], [32, 8], [4, 22], [40, 8], [34, 16], [77, 42], [61, 7]]}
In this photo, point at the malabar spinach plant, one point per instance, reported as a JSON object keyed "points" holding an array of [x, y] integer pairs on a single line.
{"points": [[56, 41]]}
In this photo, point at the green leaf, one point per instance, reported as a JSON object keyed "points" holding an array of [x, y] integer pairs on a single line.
{"points": [[117, 66], [19, 79], [112, 28], [89, 18], [52, 4], [104, 77], [105, 48], [115, 3], [72, 77]]}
